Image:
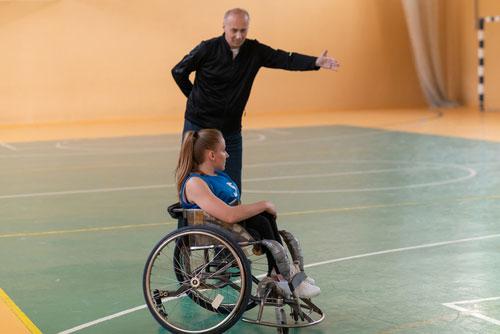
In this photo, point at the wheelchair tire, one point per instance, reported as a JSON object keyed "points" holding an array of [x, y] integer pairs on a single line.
{"points": [[190, 288]]}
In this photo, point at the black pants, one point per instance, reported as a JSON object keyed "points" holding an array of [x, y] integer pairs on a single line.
{"points": [[234, 147], [263, 226]]}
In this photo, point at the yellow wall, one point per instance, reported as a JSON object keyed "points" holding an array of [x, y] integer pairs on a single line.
{"points": [[96, 59]]}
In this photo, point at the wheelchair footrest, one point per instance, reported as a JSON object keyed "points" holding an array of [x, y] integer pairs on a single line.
{"points": [[273, 312]]}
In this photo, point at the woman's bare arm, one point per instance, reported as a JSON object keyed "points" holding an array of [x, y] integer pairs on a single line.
{"points": [[198, 192]]}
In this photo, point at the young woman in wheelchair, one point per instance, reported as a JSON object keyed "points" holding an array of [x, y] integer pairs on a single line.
{"points": [[202, 184]]}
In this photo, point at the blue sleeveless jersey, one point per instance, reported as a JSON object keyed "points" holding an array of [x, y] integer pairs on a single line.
{"points": [[220, 184]]}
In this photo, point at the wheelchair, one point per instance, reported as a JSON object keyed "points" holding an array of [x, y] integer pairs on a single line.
{"points": [[207, 275]]}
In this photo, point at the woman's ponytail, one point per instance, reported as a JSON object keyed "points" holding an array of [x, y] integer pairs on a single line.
{"points": [[194, 144], [186, 162]]}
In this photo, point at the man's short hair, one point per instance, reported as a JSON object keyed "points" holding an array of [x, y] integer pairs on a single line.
{"points": [[236, 11]]}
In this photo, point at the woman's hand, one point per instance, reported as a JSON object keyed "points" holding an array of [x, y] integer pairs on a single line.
{"points": [[270, 208]]}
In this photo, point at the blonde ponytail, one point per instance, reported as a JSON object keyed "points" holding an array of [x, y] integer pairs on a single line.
{"points": [[192, 152]]}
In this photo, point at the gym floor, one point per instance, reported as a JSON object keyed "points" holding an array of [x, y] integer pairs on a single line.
{"points": [[397, 215]]}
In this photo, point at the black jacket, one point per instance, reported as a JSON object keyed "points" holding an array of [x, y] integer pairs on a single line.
{"points": [[222, 85]]}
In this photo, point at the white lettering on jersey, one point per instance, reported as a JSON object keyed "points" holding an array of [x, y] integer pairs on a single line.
{"points": [[235, 193]]}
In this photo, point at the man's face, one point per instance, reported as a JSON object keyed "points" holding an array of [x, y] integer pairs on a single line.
{"points": [[235, 29]]}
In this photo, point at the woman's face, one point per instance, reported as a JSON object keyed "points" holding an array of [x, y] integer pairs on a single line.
{"points": [[220, 155]]}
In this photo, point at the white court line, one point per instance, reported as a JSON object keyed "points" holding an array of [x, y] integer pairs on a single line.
{"points": [[373, 130], [356, 172], [471, 173], [115, 150], [473, 313], [403, 249], [147, 148], [85, 191], [249, 142], [280, 132], [98, 321], [428, 164], [388, 251], [75, 154], [89, 151], [425, 165], [8, 146], [475, 301], [260, 137]]}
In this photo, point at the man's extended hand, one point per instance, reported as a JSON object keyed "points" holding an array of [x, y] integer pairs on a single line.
{"points": [[327, 62]]}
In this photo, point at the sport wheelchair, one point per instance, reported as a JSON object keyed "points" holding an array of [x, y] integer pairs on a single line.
{"points": [[207, 275]]}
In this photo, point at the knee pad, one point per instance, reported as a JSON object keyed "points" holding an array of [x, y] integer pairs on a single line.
{"points": [[280, 257]]}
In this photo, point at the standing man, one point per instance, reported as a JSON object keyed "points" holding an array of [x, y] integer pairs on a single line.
{"points": [[225, 68]]}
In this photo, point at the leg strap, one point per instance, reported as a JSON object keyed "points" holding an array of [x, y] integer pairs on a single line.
{"points": [[297, 279]]}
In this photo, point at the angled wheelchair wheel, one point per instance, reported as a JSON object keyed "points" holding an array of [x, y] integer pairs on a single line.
{"points": [[197, 280]]}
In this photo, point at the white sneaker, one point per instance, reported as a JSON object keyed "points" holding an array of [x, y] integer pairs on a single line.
{"points": [[306, 290]]}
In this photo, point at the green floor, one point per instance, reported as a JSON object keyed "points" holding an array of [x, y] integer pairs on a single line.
{"points": [[394, 225]]}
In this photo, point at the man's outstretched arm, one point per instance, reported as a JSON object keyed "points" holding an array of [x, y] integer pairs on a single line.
{"points": [[293, 61]]}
